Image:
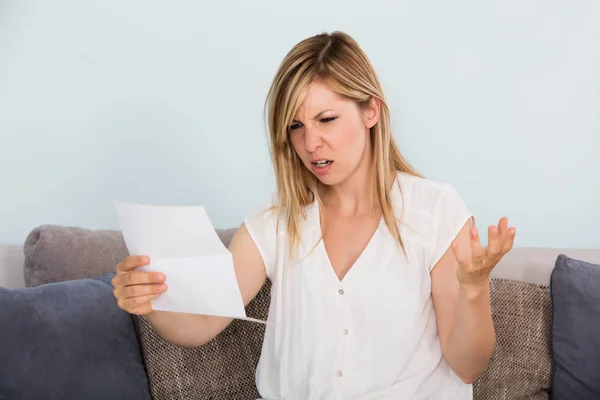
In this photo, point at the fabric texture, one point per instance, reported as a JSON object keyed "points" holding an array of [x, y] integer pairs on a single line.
{"points": [[521, 366], [69, 340], [575, 289], [353, 336], [223, 369]]}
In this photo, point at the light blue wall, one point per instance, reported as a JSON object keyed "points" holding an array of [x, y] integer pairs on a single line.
{"points": [[161, 103]]}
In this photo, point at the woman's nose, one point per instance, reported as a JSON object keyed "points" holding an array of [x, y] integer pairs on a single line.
{"points": [[312, 139]]}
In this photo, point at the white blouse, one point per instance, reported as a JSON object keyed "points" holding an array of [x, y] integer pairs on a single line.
{"points": [[372, 335]]}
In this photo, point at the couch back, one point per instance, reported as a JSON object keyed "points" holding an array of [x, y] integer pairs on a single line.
{"points": [[11, 266], [530, 265], [224, 368]]}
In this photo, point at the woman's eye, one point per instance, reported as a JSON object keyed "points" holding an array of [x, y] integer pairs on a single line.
{"points": [[326, 120], [295, 126]]}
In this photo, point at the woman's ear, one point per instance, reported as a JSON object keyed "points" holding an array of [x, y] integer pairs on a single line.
{"points": [[371, 112]]}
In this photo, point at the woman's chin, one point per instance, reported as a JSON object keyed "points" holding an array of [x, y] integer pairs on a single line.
{"points": [[329, 176], [329, 179]]}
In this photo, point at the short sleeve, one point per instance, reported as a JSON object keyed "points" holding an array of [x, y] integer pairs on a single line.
{"points": [[449, 217], [262, 227]]}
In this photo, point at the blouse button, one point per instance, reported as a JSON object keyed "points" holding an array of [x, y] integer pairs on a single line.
{"points": [[346, 331], [339, 373], [341, 291]]}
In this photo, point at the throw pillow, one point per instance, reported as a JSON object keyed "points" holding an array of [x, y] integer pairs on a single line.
{"points": [[69, 340], [55, 253], [575, 289], [521, 365]]}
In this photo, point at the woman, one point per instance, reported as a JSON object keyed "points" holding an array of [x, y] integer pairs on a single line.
{"points": [[380, 284]]}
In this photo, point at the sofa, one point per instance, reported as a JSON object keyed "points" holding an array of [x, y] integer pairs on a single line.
{"points": [[64, 337]]}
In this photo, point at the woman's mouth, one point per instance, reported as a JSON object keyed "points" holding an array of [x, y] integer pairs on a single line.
{"points": [[321, 163], [321, 167]]}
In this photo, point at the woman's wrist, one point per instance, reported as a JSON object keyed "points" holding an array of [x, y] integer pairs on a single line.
{"points": [[475, 290]]}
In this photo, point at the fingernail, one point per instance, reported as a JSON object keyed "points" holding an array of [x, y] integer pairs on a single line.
{"points": [[144, 259], [160, 277], [473, 232], [455, 245], [162, 288]]}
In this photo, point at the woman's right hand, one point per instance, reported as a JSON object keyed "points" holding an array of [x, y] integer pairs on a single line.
{"points": [[134, 290]]}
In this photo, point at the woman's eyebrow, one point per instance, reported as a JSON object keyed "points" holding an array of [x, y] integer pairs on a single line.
{"points": [[319, 114]]}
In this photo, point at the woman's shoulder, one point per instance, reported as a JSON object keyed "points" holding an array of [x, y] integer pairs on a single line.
{"points": [[433, 210], [421, 192]]}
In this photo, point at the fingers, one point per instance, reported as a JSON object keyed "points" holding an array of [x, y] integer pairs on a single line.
{"points": [[476, 249], [494, 241], [137, 278], [134, 290], [459, 255], [132, 262], [503, 226], [483, 260], [477, 252], [137, 305], [506, 236], [136, 299], [123, 292], [509, 241]]}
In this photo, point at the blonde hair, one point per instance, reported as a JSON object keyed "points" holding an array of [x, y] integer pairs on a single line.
{"points": [[338, 61]]}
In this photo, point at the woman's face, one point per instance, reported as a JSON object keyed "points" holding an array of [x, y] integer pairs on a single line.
{"points": [[330, 134]]}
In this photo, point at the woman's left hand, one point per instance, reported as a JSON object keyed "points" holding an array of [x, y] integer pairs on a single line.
{"points": [[477, 268]]}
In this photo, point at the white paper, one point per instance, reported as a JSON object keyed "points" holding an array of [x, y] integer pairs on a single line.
{"points": [[183, 245]]}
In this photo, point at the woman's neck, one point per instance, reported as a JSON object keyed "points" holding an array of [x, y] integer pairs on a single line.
{"points": [[355, 195]]}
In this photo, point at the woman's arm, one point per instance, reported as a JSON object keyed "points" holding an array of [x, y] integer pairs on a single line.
{"points": [[460, 291], [193, 330]]}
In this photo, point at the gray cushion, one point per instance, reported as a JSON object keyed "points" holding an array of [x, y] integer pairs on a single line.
{"points": [[575, 291], [55, 253], [69, 340], [58, 253]]}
